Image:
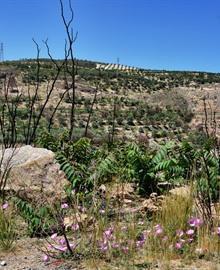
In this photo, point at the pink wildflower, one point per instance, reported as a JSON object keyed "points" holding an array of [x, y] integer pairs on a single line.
{"points": [[159, 229], [190, 240], [115, 245], [62, 241], [73, 245], [5, 205], [61, 248], [46, 258], [64, 206], [179, 233], [125, 249], [218, 231], [108, 233], [139, 244], [75, 227], [195, 222], [103, 247], [165, 238], [157, 226], [190, 232], [49, 247], [54, 236], [178, 245], [142, 236]]}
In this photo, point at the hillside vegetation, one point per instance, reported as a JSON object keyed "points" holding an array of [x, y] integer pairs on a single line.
{"points": [[139, 150], [156, 104]]}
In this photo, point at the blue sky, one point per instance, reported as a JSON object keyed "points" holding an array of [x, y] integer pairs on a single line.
{"points": [[155, 34]]}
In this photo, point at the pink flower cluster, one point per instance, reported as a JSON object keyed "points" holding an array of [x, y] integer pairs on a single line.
{"points": [[110, 241], [114, 240], [195, 222], [59, 245], [188, 236], [182, 237]]}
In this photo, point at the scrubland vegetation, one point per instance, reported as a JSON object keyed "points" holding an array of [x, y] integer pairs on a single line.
{"points": [[91, 225], [143, 184]]}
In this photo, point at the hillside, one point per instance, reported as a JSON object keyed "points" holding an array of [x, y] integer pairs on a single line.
{"points": [[106, 166], [155, 104]]}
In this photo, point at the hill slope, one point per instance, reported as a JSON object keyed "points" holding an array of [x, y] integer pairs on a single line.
{"points": [[154, 104]]}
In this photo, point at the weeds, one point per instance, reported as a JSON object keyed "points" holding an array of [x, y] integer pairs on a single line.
{"points": [[7, 227], [175, 232]]}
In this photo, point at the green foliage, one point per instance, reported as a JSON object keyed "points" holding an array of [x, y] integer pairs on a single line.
{"points": [[186, 161], [74, 160], [168, 164], [46, 140], [76, 173], [128, 163], [80, 151], [39, 219], [208, 182], [175, 163], [106, 168]]}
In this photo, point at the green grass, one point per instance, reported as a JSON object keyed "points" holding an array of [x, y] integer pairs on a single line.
{"points": [[7, 229]]}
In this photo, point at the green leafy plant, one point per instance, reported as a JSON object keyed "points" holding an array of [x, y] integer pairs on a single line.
{"points": [[76, 173], [40, 220]]}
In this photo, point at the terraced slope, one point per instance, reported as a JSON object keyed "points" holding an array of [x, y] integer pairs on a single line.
{"points": [[149, 104]]}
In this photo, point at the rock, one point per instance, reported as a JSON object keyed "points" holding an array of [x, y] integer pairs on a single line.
{"points": [[148, 206], [153, 195], [122, 191], [102, 190], [34, 174], [3, 263], [77, 218], [161, 198], [127, 201], [200, 252], [164, 185]]}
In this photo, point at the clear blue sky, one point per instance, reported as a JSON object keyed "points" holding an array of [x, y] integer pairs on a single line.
{"points": [[155, 34]]}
